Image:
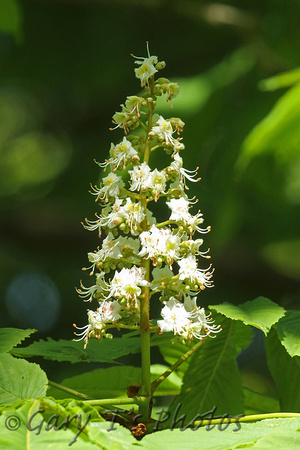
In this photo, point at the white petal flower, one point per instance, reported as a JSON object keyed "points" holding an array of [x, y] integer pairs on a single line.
{"points": [[156, 182], [110, 188], [127, 283], [133, 104], [177, 165], [122, 153], [139, 176], [201, 325], [94, 291], [146, 69], [179, 208], [175, 317], [163, 130], [188, 270], [159, 242], [133, 213], [108, 312]]}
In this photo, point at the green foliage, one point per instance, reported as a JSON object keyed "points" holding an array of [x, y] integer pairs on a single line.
{"points": [[276, 433], [73, 351], [285, 372], [73, 76], [20, 379], [288, 329], [212, 378], [10, 337], [278, 132], [262, 313], [208, 386], [114, 381], [256, 403]]}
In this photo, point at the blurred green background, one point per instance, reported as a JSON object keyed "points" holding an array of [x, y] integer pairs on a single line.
{"points": [[65, 67]]}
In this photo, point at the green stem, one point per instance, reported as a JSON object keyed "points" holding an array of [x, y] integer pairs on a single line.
{"points": [[174, 366], [68, 390], [112, 401], [145, 391]]}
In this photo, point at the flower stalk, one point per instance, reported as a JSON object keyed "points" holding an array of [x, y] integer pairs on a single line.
{"points": [[140, 258]]}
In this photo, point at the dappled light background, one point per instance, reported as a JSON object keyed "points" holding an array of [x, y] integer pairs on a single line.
{"points": [[65, 67]]}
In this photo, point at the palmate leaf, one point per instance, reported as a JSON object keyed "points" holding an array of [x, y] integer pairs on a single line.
{"points": [[10, 337], [31, 426], [106, 351], [63, 350], [212, 379], [262, 313], [288, 329], [269, 433], [20, 379], [285, 371]]}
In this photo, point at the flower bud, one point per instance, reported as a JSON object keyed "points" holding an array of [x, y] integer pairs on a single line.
{"points": [[160, 65]]}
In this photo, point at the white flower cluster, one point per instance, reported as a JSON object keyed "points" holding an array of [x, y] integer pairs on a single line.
{"points": [[146, 257]]}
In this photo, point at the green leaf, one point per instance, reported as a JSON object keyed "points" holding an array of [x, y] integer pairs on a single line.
{"points": [[101, 383], [114, 381], [212, 379], [119, 438], [278, 132], [288, 329], [256, 403], [106, 351], [172, 351], [35, 422], [280, 81], [270, 433], [285, 371], [10, 337], [262, 313], [20, 379], [170, 386]]}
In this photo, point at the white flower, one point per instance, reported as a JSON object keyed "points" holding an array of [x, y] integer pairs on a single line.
{"points": [[179, 208], [201, 325], [133, 213], [114, 249], [127, 283], [94, 291], [133, 104], [188, 270], [139, 176], [175, 317], [177, 166], [111, 187], [159, 242], [110, 217], [122, 153], [156, 182], [107, 312], [164, 130], [146, 69], [186, 320]]}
